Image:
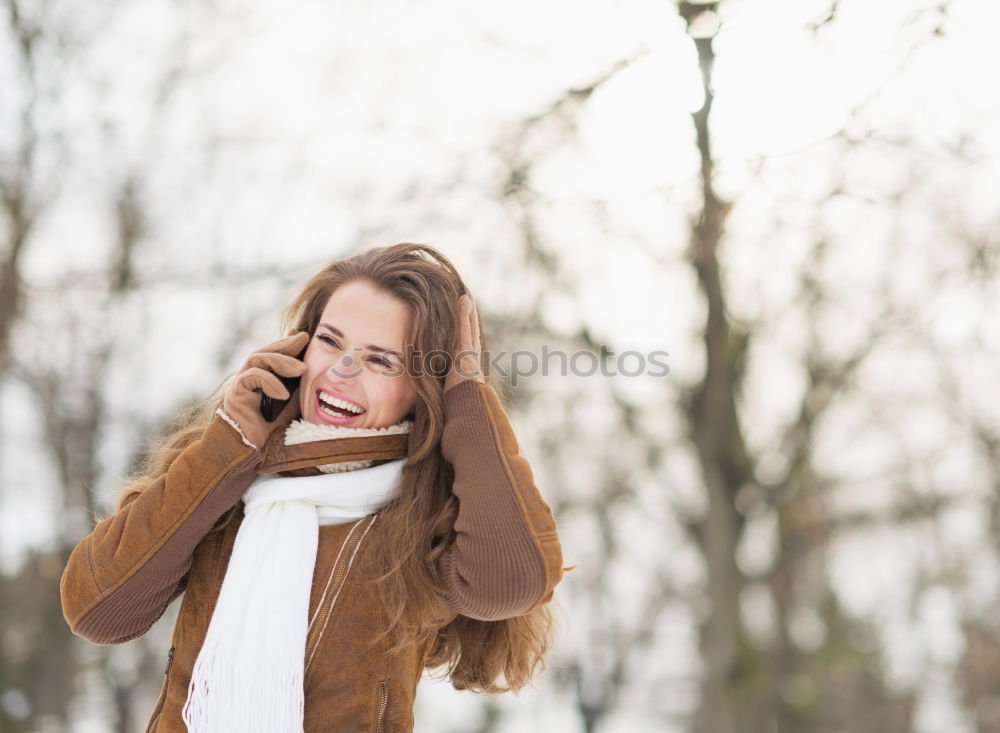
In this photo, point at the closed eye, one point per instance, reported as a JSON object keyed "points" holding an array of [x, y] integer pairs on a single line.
{"points": [[329, 340]]}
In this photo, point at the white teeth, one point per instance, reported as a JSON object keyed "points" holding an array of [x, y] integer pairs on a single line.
{"points": [[324, 397]]}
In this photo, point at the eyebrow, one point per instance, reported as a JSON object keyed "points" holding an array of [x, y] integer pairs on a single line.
{"points": [[371, 347]]}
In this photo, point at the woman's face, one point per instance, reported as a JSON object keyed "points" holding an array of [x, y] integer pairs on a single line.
{"points": [[345, 361]]}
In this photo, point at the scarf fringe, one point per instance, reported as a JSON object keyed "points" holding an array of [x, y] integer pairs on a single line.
{"points": [[281, 710]]}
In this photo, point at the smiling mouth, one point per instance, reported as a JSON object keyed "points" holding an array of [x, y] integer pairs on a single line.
{"points": [[338, 408]]}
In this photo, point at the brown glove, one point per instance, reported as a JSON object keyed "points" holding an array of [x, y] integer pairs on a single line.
{"points": [[242, 401], [467, 360]]}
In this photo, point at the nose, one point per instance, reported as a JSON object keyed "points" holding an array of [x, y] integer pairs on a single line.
{"points": [[344, 367]]}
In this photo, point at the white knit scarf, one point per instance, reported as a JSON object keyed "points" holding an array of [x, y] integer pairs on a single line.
{"points": [[249, 674]]}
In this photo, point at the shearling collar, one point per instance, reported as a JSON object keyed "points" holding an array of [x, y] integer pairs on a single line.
{"points": [[306, 449]]}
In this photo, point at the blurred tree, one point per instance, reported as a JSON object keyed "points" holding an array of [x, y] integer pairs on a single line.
{"points": [[35, 679], [43, 667], [19, 194], [705, 518], [817, 666]]}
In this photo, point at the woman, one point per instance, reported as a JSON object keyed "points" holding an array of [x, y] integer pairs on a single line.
{"points": [[383, 523]]}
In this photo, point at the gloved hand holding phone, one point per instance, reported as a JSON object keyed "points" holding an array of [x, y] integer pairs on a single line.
{"points": [[260, 397]]}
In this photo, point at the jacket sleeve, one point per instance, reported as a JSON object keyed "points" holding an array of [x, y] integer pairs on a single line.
{"points": [[122, 576], [506, 558]]}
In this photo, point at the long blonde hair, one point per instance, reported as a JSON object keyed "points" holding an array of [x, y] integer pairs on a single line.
{"points": [[417, 526]]}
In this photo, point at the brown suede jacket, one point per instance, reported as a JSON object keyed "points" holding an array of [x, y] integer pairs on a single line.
{"points": [[505, 561]]}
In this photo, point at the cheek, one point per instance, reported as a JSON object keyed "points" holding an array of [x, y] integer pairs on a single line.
{"points": [[403, 394], [389, 393], [314, 365], [314, 369], [312, 372]]}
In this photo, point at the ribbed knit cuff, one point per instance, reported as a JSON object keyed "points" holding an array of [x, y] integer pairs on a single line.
{"points": [[462, 398]]}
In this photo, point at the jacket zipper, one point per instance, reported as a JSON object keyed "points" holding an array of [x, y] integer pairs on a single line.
{"points": [[163, 693], [383, 702], [339, 575]]}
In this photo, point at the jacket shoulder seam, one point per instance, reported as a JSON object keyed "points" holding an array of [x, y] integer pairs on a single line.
{"points": [[93, 573]]}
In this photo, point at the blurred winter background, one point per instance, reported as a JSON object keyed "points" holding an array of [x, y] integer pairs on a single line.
{"points": [[795, 530]]}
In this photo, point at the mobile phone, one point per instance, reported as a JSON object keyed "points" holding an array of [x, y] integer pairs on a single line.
{"points": [[271, 408]]}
